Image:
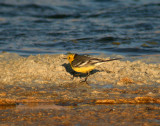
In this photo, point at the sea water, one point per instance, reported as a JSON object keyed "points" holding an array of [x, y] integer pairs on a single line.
{"points": [[126, 27]]}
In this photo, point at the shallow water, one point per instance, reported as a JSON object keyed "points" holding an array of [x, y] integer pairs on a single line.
{"points": [[94, 26], [47, 106]]}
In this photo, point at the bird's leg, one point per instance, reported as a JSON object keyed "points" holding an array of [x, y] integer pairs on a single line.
{"points": [[87, 76], [85, 80], [75, 74]]}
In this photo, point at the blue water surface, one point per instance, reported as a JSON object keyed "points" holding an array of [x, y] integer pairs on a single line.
{"points": [[127, 27]]}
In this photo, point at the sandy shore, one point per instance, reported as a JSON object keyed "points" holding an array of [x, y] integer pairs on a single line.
{"points": [[45, 69], [40, 90]]}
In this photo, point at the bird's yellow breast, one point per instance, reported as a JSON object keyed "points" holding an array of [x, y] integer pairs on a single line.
{"points": [[83, 69]]}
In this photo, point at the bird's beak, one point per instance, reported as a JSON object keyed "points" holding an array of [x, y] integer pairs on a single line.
{"points": [[65, 57]]}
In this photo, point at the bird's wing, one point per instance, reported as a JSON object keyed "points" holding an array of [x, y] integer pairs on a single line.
{"points": [[80, 61]]}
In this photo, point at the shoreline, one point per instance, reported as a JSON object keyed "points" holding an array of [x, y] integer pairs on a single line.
{"points": [[39, 90]]}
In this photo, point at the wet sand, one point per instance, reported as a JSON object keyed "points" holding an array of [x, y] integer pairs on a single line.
{"points": [[41, 90]]}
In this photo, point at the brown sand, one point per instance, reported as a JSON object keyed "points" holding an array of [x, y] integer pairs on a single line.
{"points": [[45, 69], [39, 90]]}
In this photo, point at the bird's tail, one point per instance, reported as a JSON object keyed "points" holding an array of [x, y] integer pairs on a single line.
{"points": [[111, 59], [100, 61]]}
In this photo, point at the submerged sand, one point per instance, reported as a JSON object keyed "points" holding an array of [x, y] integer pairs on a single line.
{"points": [[40, 90]]}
